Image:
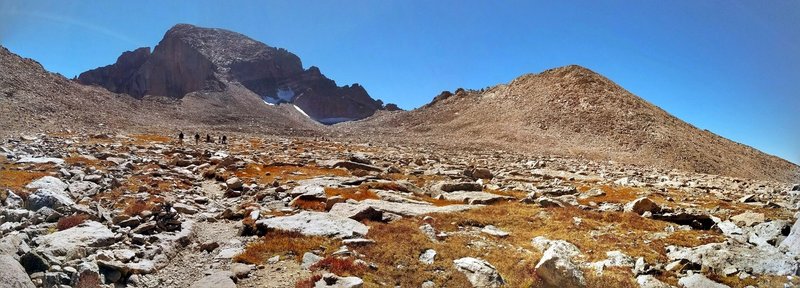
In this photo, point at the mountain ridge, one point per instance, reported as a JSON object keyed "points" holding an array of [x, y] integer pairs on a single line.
{"points": [[572, 110]]}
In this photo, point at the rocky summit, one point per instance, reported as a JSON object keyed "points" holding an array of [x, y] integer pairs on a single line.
{"points": [[190, 59]]}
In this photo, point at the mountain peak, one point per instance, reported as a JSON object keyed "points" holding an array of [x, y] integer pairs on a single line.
{"points": [[191, 58]]}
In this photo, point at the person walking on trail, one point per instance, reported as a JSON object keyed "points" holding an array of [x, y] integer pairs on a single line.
{"points": [[224, 139], [196, 138], [208, 138], [180, 138]]}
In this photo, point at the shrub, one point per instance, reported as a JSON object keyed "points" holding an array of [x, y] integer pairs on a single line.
{"points": [[70, 221], [339, 266]]}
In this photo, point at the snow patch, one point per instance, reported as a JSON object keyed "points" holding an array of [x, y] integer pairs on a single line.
{"points": [[301, 111]]}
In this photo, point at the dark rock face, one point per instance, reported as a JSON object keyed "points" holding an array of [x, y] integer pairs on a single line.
{"points": [[191, 58]]}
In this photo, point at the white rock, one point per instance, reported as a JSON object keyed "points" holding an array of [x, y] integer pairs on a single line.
{"points": [[87, 234], [699, 281], [428, 256], [41, 160], [479, 272], [309, 259], [557, 270], [648, 281], [641, 205], [330, 280], [718, 256], [792, 242], [218, 279], [748, 219], [491, 230], [316, 224]]}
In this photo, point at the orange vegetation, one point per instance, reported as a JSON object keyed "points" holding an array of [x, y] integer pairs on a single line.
{"points": [[355, 193], [308, 282], [339, 266], [266, 174], [70, 221], [15, 180], [280, 242]]}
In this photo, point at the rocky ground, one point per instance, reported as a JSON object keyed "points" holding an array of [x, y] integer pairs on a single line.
{"points": [[143, 211]]}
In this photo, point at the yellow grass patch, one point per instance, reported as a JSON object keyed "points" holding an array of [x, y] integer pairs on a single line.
{"points": [[355, 193], [280, 243]]}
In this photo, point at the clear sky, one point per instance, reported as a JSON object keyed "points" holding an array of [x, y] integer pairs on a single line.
{"points": [[732, 67]]}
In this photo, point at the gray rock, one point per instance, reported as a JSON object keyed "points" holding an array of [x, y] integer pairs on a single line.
{"points": [[13, 274], [748, 219], [641, 205], [412, 209], [356, 212], [316, 224], [241, 270], [767, 233], [185, 208], [461, 186], [218, 279], [699, 281], [555, 267], [349, 165], [330, 280], [474, 197], [87, 234], [479, 272], [649, 281], [792, 242], [309, 259], [494, 231], [234, 183], [83, 188], [719, 256], [42, 160]]}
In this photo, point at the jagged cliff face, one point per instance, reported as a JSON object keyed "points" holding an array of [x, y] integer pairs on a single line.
{"points": [[191, 58]]}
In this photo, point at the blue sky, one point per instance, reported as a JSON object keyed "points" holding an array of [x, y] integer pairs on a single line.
{"points": [[728, 66]]}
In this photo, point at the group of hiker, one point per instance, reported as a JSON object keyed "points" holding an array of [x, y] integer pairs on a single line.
{"points": [[222, 139]]}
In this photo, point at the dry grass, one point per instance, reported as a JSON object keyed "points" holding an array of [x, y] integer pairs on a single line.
{"points": [[339, 266], [136, 207], [313, 205], [308, 282], [280, 243], [15, 180], [355, 193], [266, 174], [70, 221], [82, 161], [614, 194], [514, 256], [150, 138]]}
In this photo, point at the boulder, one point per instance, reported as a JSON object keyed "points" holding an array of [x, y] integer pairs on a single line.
{"points": [[479, 272], [767, 233], [649, 281], [218, 279], [87, 234], [309, 259], [555, 267], [699, 281], [479, 173], [558, 271], [234, 183], [792, 242], [316, 224], [641, 205], [83, 188], [460, 186], [474, 197], [719, 256], [349, 165], [50, 192], [748, 219], [13, 274], [356, 212], [413, 209], [330, 280], [309, 191]]}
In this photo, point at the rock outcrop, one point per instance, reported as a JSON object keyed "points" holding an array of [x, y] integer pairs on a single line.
{"points": [[191, 58]]}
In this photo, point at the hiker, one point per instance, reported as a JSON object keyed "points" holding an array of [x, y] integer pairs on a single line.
{"points": [[180, 138], [224, 139], [208, 138], [220, 139], [196, 138]]}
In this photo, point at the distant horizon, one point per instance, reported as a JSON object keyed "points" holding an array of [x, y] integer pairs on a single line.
{"points": [[730, 68]]}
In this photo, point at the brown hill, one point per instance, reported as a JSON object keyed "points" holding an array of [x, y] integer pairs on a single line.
{"points": [[190, 59], [574, 111], [33, 100]]}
